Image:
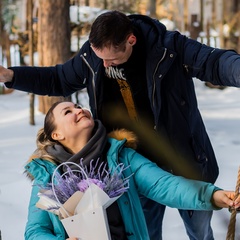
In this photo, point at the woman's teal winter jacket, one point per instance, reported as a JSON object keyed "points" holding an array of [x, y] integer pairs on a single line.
{"points": [[161, 186]]}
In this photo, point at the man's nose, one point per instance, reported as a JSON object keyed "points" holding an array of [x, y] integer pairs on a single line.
{"points": [[107, 63]]}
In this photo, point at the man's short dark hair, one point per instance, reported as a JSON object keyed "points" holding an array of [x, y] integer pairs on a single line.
{"points": [[110, 29]]}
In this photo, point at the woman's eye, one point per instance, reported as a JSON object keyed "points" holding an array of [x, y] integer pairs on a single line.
{"points": [[77, 106], [68, 111]]}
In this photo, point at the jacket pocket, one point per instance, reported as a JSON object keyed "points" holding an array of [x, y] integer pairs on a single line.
{"points": [[201, 159]]}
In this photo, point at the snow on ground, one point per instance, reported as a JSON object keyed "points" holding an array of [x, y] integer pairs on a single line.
{"points": [[221, 113]]}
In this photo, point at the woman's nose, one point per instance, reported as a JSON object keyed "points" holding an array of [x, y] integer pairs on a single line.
{"points": [[78, 110]]}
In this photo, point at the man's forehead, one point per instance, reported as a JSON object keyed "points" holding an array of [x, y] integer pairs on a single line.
{"points": [[107, 53]]}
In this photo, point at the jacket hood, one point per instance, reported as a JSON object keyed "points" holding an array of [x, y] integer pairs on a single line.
{"points": [[121, 134], [152, 29], [126, 137]]}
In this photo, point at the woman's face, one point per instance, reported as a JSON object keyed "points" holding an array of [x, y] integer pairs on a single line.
{"points": [[72, 122]]}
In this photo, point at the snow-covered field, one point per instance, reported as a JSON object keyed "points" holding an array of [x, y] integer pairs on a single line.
{"points": [[220, 110]]}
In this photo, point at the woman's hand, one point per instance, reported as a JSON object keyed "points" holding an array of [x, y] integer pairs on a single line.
{"points": [[225, 199], [72, 238]]}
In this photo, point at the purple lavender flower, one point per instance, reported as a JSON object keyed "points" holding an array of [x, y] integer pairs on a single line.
{"points": [[112, 182], [84, 184]]}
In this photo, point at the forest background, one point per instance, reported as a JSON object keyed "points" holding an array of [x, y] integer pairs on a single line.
{"points": [[57, 28], [48, 32]]}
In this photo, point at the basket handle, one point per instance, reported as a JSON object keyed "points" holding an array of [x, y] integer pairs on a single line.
{"points": [[81, 171]]}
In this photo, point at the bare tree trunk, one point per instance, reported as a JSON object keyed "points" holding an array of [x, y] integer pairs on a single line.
{"points": [[1, 24], [152, 8], [195, 26], [231, 17], [201, 15], [214, 13], [6, 47], [31, 51], [53, 39], [185, 15], [221, 24]]}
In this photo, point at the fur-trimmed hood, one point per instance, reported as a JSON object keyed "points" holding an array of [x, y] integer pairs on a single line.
{"points": [[121, 134]]}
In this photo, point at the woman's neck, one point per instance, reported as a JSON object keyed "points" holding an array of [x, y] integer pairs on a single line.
{"points": [[75, 146]]}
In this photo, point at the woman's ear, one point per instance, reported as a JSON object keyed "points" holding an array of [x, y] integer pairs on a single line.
{"points": [[57, 136]]}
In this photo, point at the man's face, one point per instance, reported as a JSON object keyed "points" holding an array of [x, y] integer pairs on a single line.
{"points": [[113, 57]]}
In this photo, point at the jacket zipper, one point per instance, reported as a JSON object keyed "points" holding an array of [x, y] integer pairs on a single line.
{"points": [[154, 83], [93, 84]]}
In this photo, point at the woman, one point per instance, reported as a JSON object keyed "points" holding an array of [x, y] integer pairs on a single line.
{"points": [[70, 134]]}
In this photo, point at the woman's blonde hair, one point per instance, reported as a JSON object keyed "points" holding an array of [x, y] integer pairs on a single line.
{"points": [[42, 143], [44, 138]]}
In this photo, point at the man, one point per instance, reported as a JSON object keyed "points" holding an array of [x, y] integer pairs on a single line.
{"points": [[139, 75]]}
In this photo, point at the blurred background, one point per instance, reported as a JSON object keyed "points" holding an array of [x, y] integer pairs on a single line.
{"points": [[48, 32]]}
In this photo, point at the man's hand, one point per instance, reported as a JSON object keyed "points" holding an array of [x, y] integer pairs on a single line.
{"points": [[225, 199], [6, 75]]}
